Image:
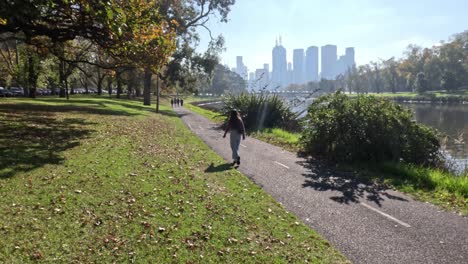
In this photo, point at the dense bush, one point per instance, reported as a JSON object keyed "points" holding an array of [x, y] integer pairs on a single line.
{"points": [[262, 111], [367, 128]]}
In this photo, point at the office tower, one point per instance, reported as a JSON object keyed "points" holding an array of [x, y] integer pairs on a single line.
{"points": [[328, 62], [251, 76], [251, 80], [241, 69], [289, 75], [279, 71], [311, 64], [298, 66], [341, 65], [261, 79], [266, 67], [349, 55]]}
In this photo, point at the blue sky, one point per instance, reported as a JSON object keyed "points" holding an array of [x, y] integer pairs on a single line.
{"points": [[376, 28]]}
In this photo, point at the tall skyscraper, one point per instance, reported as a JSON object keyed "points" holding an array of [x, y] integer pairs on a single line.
{"points": [[279, 65], [261, 79], [349, 58], [328, 62], [289, 74], [266, 67], [251, 80], [340, 67], [298, 66], [311, 64], [241, 69]]}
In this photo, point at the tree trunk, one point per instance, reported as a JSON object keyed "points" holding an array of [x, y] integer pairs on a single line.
{"points": [[31, 81], [66, 89], [62, 80], [119, 84], [130, 84], [137, 91], [99, 82], [99, 87], [147, 87], [157, 94], [109, 86], [86, 86]]}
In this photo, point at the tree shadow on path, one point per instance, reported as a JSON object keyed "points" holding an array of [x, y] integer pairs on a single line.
{"points": [[351, 189]]}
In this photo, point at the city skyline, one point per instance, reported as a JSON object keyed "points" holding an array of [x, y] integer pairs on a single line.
{"points": [[303, 68], [377, 29]]}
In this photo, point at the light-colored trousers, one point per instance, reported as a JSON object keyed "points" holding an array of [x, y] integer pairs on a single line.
{"points": [[235, 138]]}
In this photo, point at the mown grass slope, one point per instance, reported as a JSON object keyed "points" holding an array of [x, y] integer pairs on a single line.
{"points": [[99, 181]]}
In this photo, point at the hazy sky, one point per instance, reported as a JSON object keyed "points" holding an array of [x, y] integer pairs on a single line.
{"points": [[376, 28]]}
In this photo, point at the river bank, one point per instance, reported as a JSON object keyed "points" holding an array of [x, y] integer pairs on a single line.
{"points": [[431, 185]]}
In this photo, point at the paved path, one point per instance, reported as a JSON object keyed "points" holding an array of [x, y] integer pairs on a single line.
{"points": [[367, 223]]}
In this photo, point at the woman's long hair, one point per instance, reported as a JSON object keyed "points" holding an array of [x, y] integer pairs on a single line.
{"points": [[234, 116]]}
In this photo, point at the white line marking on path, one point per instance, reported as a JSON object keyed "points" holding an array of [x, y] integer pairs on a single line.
{"points": [[281, 164], [386, 215], [242, 145]]}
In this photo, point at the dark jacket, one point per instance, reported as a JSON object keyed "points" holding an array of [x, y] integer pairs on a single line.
{"points": [[236, 124]]}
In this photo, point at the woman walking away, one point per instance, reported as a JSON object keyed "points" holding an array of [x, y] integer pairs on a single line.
{"points": [[236, 127]]}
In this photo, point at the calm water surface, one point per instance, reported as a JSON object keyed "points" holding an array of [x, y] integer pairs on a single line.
{"points": [[452, 122]]}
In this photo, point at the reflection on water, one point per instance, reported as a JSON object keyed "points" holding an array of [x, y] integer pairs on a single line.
{"points": [[452, 122]]}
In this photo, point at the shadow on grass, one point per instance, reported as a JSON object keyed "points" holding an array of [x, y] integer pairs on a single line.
{"points": [[351, 189], [99, 110], [103, 102], [32, 139], [223, 167]]}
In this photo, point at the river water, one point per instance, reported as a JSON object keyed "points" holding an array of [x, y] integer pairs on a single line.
{"points": [[452, 121]]}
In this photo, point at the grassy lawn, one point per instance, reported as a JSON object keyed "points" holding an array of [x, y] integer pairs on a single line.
{"points": [[101, 181], [192, 99], [437, 187], [279, 137], [437, 94], [213, 116]]}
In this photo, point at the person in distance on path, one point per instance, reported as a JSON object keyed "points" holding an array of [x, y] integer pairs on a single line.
{"points": [[172, 102], [236, 128]]}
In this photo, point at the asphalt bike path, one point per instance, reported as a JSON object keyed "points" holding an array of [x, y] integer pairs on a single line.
{"points": [[368, 223]]}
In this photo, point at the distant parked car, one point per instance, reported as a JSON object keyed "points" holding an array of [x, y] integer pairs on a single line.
{"points": [[80, 90], [4, 92], [16, 91], [42, 91]]}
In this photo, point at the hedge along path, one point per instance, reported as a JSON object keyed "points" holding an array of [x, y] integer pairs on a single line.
{"points": [[132, 186]]}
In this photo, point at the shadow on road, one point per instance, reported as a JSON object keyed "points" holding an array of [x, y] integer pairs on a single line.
{"points": [[321, 177], [219, 168]]}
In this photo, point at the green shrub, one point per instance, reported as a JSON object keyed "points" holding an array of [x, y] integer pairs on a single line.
{"points": [[261, 111], [367, 128]]}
